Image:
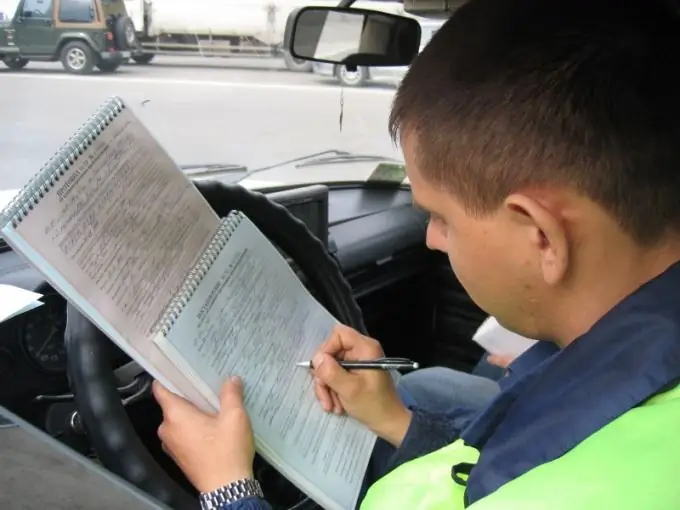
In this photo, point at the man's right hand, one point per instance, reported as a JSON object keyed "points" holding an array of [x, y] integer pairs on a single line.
{"points": [[369, 396]]}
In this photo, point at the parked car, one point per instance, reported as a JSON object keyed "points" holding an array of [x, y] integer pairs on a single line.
{"points": [[82, 34], [363, 75]]}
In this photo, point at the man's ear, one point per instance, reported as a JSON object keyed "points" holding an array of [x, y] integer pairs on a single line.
{"points": [[546, 232]]}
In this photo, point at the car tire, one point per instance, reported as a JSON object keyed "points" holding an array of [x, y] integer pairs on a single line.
{"points": [[351, 78], [108, 67], [144, 59], [77, 57], [295, 64], [15, 63]]}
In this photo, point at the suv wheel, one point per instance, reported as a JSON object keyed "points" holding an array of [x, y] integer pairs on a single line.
{"points": [[144, 59], [77, 58], [108, 67], [15, 62]]}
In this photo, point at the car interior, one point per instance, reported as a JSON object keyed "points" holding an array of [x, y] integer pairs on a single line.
{"points": [[408, 296], [28, 453]]}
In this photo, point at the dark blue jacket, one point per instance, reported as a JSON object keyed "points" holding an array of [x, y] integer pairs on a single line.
{"points": [[552, 400]]}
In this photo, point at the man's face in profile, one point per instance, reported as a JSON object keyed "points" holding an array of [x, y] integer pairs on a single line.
{"points": [[491, 256]]}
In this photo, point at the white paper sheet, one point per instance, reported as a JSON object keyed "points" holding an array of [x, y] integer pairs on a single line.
{"points": [[15, 301], [498, 340]]}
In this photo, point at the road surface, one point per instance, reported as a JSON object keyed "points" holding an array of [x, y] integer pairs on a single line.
{"points": [[247, 111]]}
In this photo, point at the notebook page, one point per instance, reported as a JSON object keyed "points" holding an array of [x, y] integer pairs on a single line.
{"points": [[252, 317], [15, 301], [117, 234]]}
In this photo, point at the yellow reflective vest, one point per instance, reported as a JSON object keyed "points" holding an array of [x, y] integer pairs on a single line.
{"points": [[633, 463]]}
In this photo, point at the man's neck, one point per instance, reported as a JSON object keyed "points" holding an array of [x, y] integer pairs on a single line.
{"points": [[606, 284]]}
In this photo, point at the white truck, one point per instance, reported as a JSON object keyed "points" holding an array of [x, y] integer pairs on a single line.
{"points": [[224, 27]]}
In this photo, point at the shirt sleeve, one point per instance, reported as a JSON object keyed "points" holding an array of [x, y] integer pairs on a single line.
{"points": [[250, 503], [427, 433]]}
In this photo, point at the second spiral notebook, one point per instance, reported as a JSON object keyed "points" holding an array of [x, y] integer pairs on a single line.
{"points": [[121, 232]]}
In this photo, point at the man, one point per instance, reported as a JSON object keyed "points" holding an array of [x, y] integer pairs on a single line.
{"points": [[543, 136]]}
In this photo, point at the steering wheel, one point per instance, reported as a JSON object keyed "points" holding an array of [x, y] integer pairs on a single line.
{"points": [[90, 373]]}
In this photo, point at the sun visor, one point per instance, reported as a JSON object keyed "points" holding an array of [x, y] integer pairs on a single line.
{"points": [[434, 9]]}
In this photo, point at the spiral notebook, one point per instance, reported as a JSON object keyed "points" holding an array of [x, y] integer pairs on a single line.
{"points": [[121, 232]]}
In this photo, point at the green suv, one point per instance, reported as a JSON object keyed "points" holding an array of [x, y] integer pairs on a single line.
{"points": [[82, 34]]}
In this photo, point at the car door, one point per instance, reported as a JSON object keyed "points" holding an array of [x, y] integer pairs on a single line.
{"points": [[35, 32]]}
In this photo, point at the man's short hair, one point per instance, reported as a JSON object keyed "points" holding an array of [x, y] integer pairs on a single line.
{"points": [[585, 94]]}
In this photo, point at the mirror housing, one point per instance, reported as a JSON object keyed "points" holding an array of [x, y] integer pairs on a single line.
{"points": [[353, 37]]}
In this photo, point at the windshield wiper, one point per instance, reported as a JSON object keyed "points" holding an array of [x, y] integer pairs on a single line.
{"points": [[213, 168], [344, 158], [210, 168], [329, 157]]}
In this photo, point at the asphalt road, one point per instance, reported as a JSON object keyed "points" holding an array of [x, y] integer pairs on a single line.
{"points": [[246, 111]]}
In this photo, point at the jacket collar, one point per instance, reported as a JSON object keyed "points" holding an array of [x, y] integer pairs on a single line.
{"points": [[544, 410]]}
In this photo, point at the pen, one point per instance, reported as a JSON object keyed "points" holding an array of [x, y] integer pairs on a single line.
{"points": [[376, 364]]}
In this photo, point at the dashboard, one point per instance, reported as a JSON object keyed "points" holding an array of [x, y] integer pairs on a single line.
{"points": [[368, 229]]}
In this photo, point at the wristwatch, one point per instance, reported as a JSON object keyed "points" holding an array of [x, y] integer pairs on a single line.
{"points": [[230, 493]]}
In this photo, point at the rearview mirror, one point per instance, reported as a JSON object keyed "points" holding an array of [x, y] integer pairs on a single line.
{"points": [[354, 37]]}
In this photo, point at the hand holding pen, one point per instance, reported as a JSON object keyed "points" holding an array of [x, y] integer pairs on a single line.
{"points": [[369, 393]]}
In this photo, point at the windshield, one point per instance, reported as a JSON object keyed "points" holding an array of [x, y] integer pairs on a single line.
{"points": [[214, 88]]}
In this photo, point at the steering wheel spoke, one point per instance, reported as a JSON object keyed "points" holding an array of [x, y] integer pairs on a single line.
{"points": [[129, 391], [128, 373]]}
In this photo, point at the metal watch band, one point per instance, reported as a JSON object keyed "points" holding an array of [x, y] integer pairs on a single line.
{"points": [[214, 500]]}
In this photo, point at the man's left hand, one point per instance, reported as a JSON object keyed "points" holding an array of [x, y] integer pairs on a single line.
{"points": [[211, 449], [500, 360]]}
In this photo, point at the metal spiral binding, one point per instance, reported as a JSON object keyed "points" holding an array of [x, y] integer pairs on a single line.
{"points": [[58, 165], [227, 228]]}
